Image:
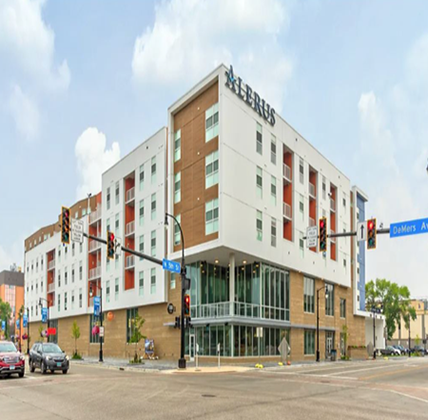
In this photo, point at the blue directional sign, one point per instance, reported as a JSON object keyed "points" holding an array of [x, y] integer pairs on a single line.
{"points": [[44, 315], [3, 325], [411, 227], [17, 324], [25, 321], [173, 266], [97, 306]]}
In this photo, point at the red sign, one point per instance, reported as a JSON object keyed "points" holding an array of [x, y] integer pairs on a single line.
{"points": [[51, 331]]}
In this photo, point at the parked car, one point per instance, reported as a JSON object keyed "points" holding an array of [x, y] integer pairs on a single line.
{"points": [[402, 349], [390, 351], [418, 349], [48, 356], [11, 361]]}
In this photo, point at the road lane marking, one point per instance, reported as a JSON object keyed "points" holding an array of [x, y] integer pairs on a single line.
{"points": [[409, 396], [362, 370], [378, 375]]}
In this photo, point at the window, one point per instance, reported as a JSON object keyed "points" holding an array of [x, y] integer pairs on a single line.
{"points": [[301, 171], [59, 278], [259, 139], [83, 211], [177, 145], [211, 217], [342, 308], [116, 193], [72, 249], [116, 289], [259, 182], [80, 298], [301, 245], [302, 209], [172, 281], [324, 189], [141, 212], [273, 190], [153, 281], [108, 224], [273, 149], [72, 273], [329, 299], [153, 206], [131, 314], [259, 225], [211, 122], [72, 299], [177, 187], [211, 169], [116, 224], [81, 247], [108, 291], [141, 246], [59, 303], [308, 295], [65, 301], [344, 262], [153, 169], [66, 252], [108, 265], [344, 202], [141, 283], [177, 234], [273, 232], [80, 270], [309, 342], [142, 177], [153, 243], [108, 198], [65, 276]]}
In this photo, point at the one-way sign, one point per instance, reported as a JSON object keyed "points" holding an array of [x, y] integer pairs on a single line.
{"points": [[362, 231]]}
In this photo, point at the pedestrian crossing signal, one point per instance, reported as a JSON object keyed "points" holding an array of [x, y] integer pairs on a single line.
{"points": [[65, 225], [371, 234]]}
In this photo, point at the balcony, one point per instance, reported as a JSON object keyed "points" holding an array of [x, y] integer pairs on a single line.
{"points": [[94, 246], [286, 172], [130, 195], [332, 205], [130, 228], [95, 216], [312, 192], [286, 209], [94, 273], [51, 265], [51, 287], [129, 262], [333, 240], [312, 222]]}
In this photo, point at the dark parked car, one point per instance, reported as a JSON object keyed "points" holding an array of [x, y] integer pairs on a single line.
{"points": [[48, 356], [390, 351], [402, 349], [11, 361], [418, 349]]}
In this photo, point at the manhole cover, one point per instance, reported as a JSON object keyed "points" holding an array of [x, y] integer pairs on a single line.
{"points": [[208, 395]]}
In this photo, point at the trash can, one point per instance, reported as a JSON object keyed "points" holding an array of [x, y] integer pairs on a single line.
{"points": [[333, 355]]}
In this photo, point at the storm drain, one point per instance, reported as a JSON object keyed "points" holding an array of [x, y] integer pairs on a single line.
{"points": [[208, 395]]}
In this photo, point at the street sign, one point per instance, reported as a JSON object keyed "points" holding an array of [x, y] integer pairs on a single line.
{"points": [[411, 227], [284, 349], [17, 324], [173, 266], [44, 315], [362, 231], [259, 332], [25, 321], [96, 306], [311, 236], [170, 308], [101, 331], [77, 231], [3, 325]]}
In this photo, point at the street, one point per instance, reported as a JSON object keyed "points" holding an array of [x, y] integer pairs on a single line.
{"points": [[385, 389]]}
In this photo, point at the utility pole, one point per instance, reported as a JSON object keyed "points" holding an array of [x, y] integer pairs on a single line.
{"points": [[374, 333], [28, 331], [318, 318]]}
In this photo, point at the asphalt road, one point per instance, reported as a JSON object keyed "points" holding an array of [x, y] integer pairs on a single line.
{"points": [[382, 389]]}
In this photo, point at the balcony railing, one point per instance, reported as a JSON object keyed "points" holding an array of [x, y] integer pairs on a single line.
{"points": [[94, 273], [332, 205], [130, 228], [51, 287], [130, 194], [129, 262], [286, 172], [312, 192], [332, 239], [286, 208], [51, 265], [94, 245], [311, 222], [95, 216]]}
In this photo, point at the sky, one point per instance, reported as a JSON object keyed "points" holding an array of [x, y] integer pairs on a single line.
{"points": [[83, 83]]}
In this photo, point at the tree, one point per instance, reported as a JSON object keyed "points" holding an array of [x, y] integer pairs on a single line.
{"points": [[136, 336], [345, 333], [75, 333], [5, 315], [395, 300]]}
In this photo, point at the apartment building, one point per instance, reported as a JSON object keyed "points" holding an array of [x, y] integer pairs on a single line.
{"points": [[12, 292], [245, 186]]}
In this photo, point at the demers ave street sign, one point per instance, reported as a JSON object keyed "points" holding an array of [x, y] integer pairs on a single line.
{"points": [[412, 227]]}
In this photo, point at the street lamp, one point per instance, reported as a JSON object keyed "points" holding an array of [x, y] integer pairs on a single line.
{"points": [[47, 307], [325, 288], [182, 360], [91, 293]]}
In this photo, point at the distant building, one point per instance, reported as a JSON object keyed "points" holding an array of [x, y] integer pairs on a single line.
{"points": [[12, 292]]}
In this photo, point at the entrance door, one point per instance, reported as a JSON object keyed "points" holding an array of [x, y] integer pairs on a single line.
{"points": [[192, 347], [329, 340]]}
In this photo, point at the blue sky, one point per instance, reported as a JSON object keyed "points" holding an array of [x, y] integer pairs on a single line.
{"points": [[351, 77]]}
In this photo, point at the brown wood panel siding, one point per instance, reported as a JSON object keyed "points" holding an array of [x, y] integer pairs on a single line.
{"points": [[191, 121]]}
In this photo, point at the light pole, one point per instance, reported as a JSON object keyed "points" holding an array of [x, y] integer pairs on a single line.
{"points": [[91, 293], [318, 318], [182, 360], [47, 308], [28, 330]]}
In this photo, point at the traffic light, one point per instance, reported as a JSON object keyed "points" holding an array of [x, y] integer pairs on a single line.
{"points": [[186, 305], [65, 225], [110, 245], [371, 234], [323, 234]]}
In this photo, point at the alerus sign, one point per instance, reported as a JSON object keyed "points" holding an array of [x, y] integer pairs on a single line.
{"points": [[252, 98]]}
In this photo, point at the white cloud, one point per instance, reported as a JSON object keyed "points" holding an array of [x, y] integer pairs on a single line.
{"points": [[25, 113], [93, 159], [12, 255], [191, 37], [26, 40], [392, 162]]}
